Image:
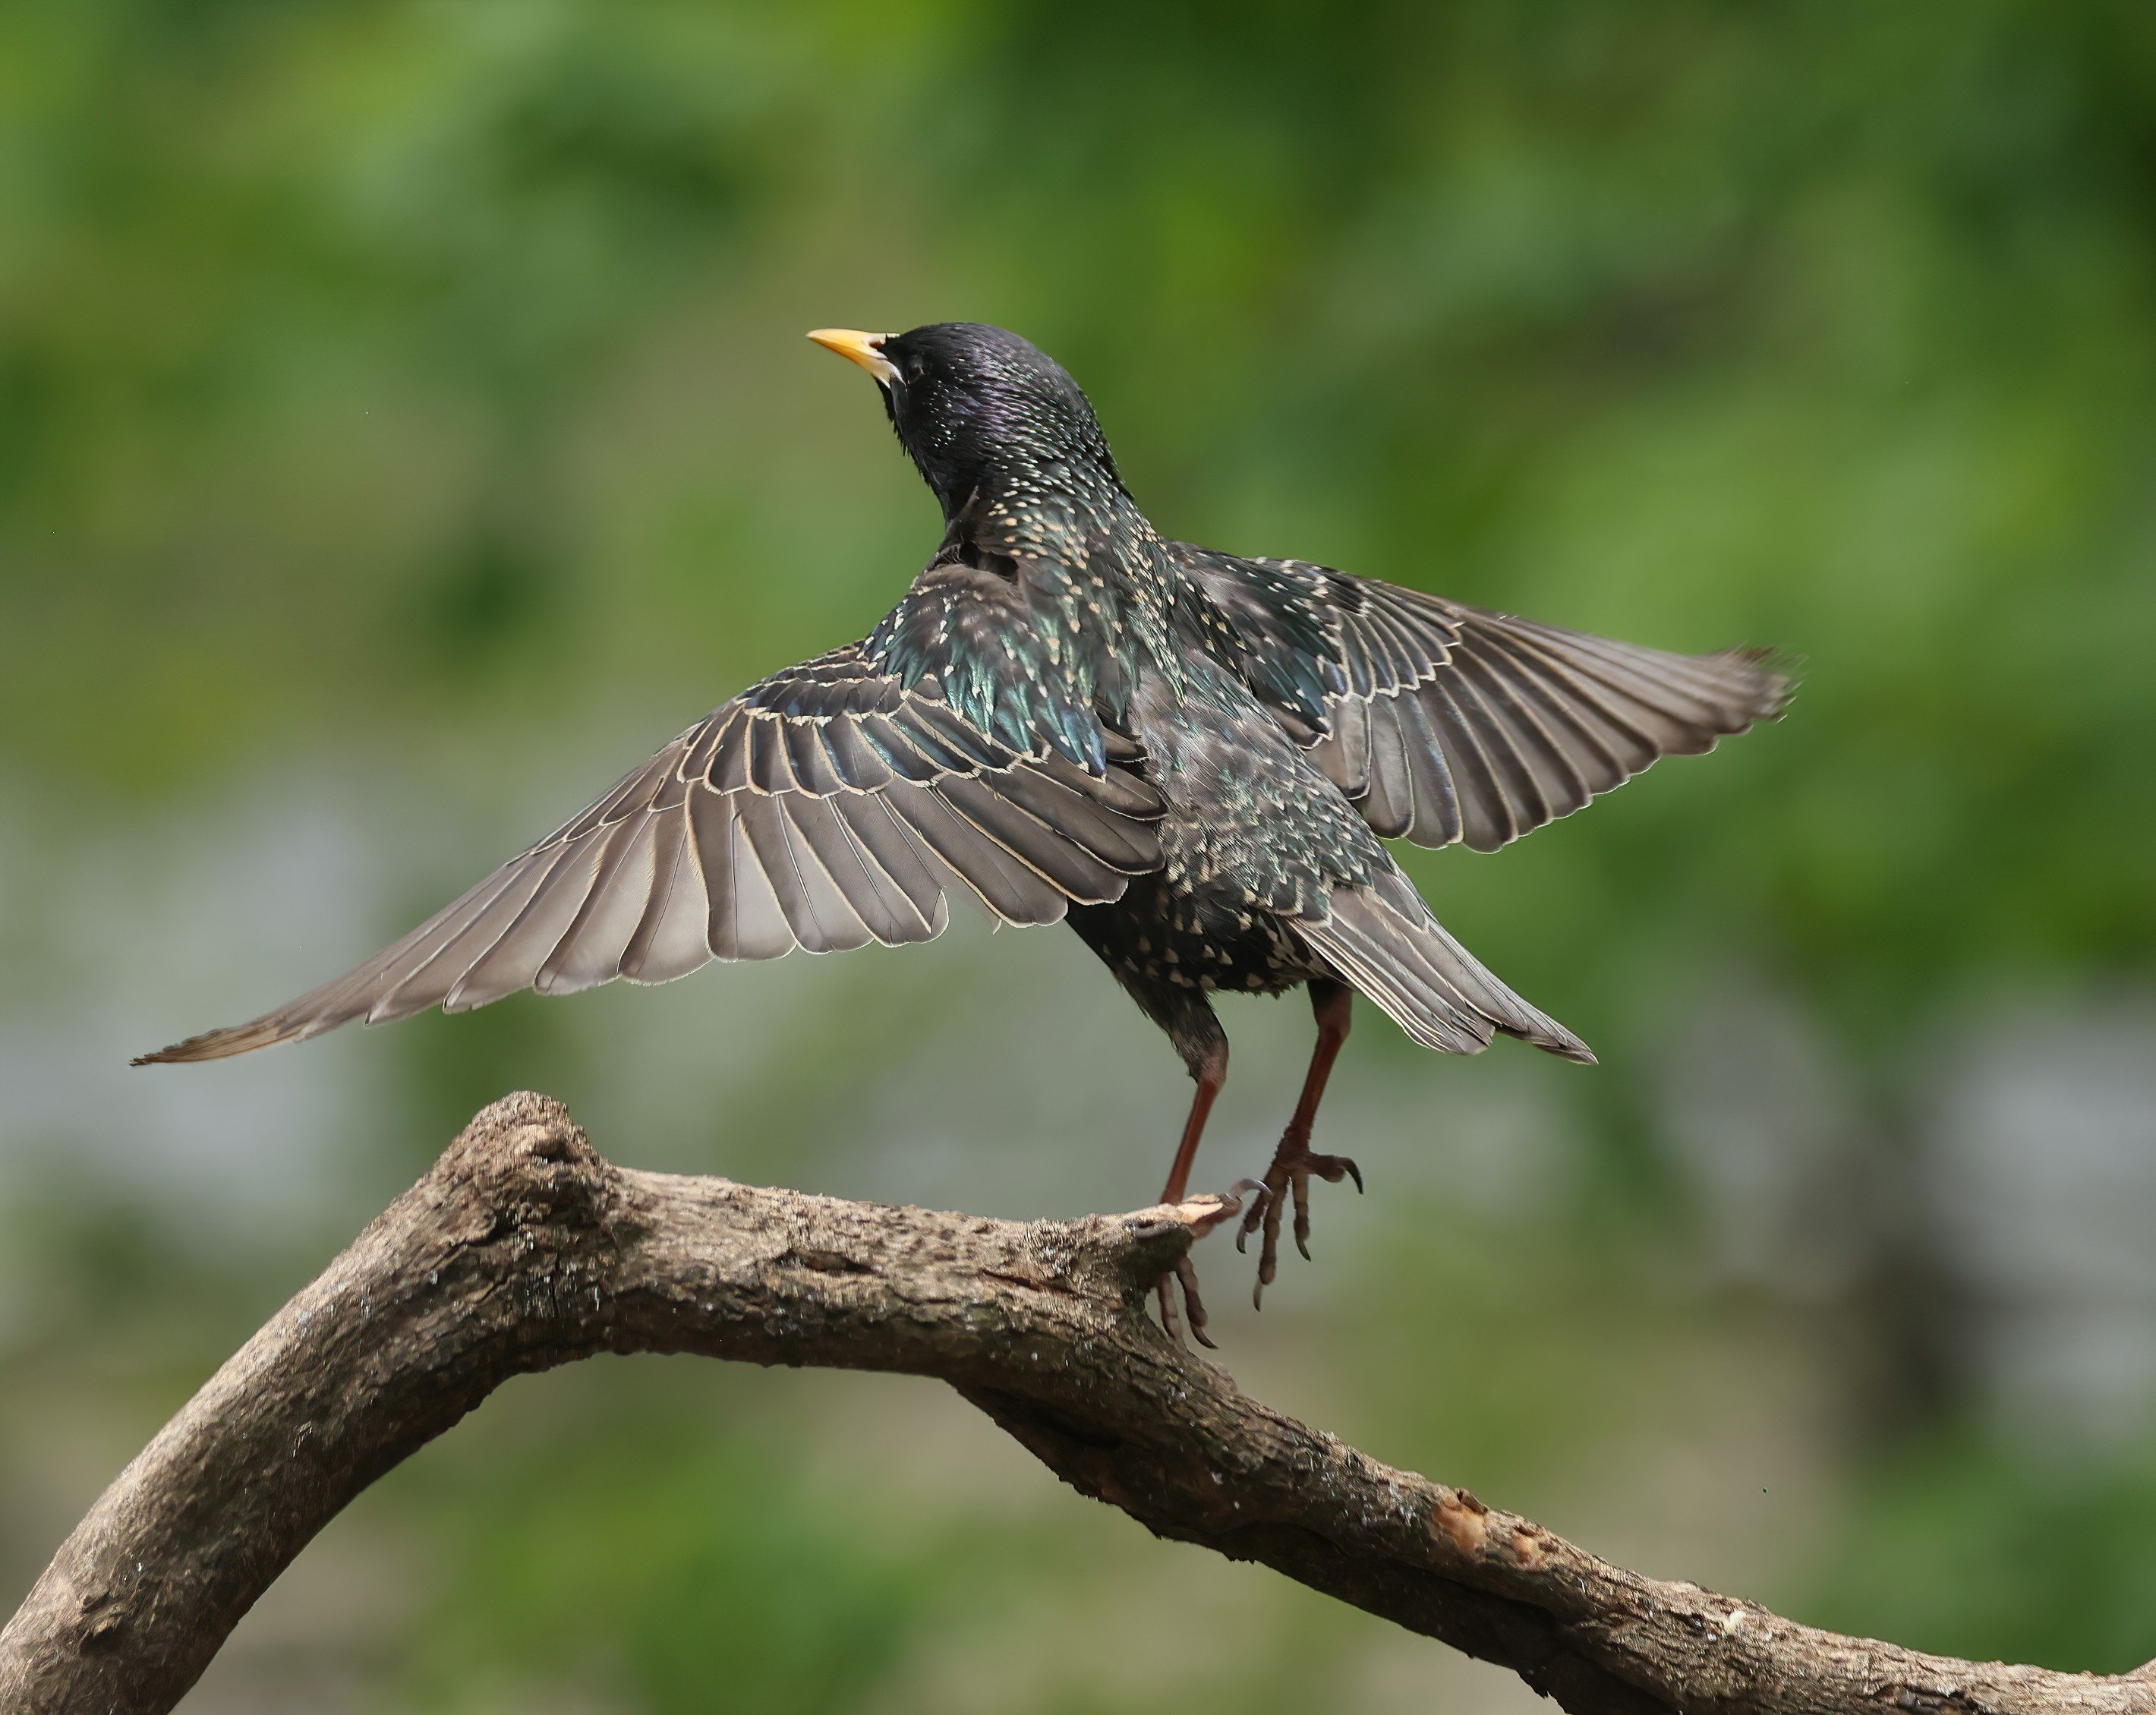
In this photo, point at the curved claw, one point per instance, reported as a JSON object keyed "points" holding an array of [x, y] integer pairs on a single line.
{"points": [[1186, 1273], [1261, 1197], [1230, 1205]]}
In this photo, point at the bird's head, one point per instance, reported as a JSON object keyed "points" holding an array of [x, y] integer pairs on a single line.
{"points": [[976, 408]]}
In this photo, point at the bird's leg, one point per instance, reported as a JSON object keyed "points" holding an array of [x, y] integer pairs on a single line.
{"points": [[1293, 1163], [1210, 1069]]}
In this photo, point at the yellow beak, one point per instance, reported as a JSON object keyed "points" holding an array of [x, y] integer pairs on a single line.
{"points": [[858, 348]]}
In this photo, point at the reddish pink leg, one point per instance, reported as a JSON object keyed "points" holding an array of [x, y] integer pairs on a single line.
{"points": [[1293, 1163], [1211, 1074]]}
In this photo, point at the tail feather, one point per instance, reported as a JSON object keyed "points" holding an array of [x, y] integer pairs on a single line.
{"points": [[1431, 1017], [1396, 953], [1428, 940]]}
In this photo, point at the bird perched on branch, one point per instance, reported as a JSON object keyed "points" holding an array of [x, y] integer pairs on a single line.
{"points": [[1194, 758]]}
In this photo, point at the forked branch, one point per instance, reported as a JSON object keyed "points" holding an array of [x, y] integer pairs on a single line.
{"points": [[522, 1249]]}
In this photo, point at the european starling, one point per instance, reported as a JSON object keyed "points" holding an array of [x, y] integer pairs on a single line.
{"points": [[1192, 756]]}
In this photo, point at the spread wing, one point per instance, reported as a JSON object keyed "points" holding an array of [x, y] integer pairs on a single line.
{"points": [[1447, 723], [835, 803]]}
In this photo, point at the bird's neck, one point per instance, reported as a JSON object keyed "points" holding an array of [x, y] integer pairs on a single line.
{"points": [[1047, 490]]}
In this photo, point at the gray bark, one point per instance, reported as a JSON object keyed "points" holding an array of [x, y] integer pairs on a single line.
{"points": [[521, 1248]]}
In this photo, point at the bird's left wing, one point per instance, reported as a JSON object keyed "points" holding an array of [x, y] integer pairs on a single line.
{"points": [[1446, 723], [834, 804]]}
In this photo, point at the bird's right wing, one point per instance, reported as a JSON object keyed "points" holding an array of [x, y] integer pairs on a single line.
{"points": [[1448, 722], [831, 805]]}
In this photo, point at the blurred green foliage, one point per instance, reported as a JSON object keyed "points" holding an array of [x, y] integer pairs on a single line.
{"points": [[1967, 1553], [422, 378], [694, 1568], [411, 362]]}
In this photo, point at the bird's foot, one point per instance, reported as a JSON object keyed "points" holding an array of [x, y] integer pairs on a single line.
{"points": [[1294, 1165], [1185, 1275], [1223, 1206]]}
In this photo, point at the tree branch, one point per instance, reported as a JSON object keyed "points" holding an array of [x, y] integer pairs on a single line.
{"points": [[522, 1249]]}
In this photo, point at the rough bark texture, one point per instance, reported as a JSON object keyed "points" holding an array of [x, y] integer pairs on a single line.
{"points": [[522, 1249]]}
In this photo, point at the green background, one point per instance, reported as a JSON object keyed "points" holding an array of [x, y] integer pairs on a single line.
{"points": [[405, 426]]}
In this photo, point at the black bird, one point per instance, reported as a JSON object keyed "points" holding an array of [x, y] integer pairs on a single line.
{"points": [[1192, 756]]}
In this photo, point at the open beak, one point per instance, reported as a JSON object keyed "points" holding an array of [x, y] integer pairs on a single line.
{"points": [[865, 349]]}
